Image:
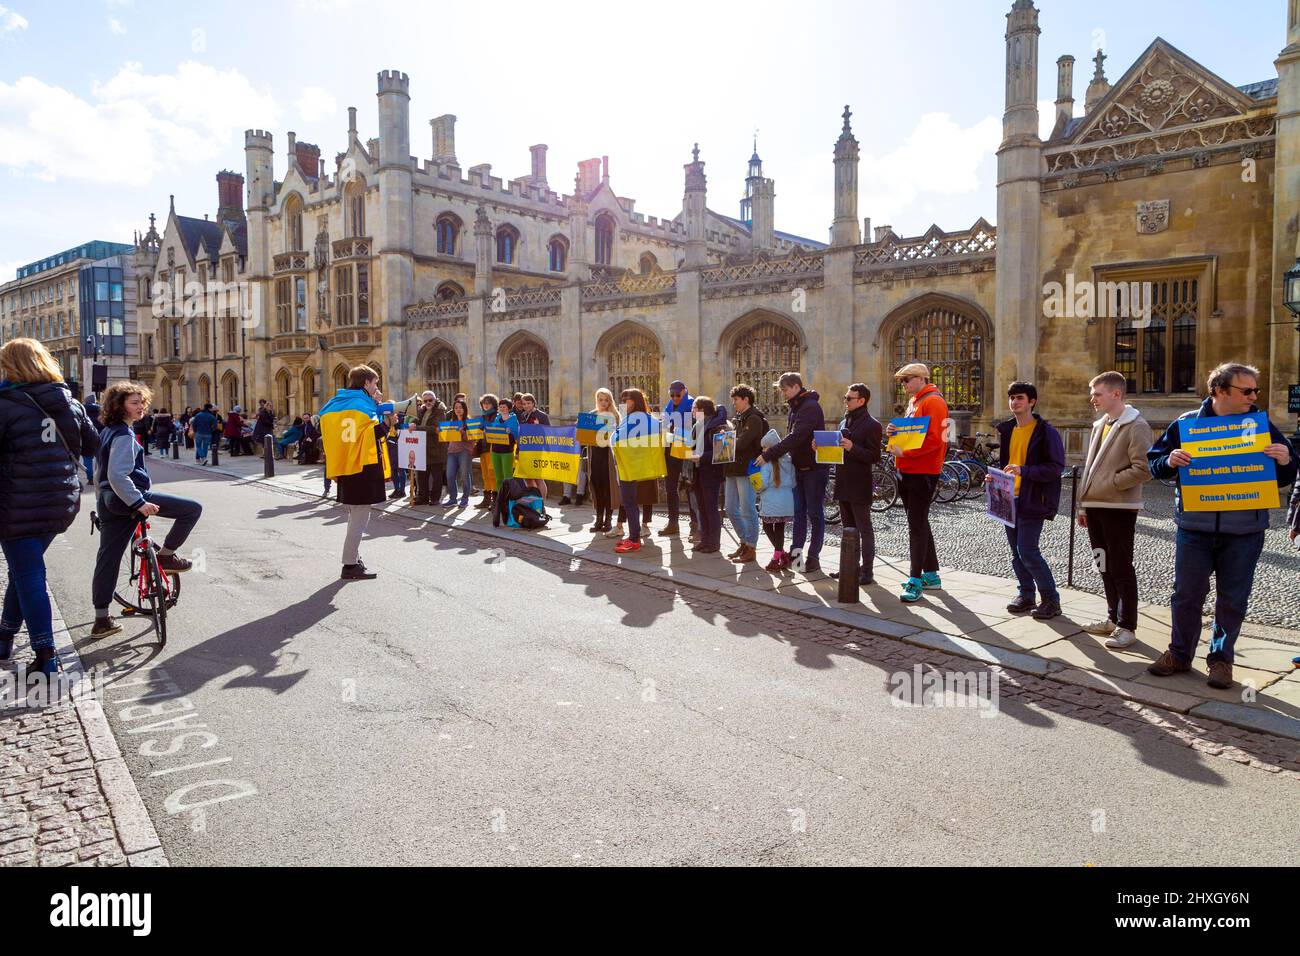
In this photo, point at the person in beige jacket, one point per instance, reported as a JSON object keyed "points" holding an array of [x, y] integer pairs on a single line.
{"points": [[1109, 499]]}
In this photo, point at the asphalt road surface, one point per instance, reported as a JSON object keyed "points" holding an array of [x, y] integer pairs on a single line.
{"points": [[481, 704]]}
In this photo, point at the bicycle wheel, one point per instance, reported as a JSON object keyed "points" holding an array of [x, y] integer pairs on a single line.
{"points": [[128, 592], [884, 489], [156, 596], [948, 485], [963, 478], [831, 504]]}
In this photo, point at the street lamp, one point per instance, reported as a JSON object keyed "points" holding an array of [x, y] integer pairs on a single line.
{"points": [[1291, 299]]}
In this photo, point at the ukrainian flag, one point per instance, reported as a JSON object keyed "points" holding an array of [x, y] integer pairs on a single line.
{"points": [[474, 429], [549, 453], [588, 425], [347, 430], [827, 445], [449, 430], [755, 472], [638, 449]]}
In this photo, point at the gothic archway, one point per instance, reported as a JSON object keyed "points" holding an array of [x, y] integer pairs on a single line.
{"points": [[756, 349], [439, 367], [950, 336], [526, 362], [632, 360]]}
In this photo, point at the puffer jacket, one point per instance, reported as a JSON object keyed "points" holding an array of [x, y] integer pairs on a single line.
{"points": [[40, 486], [806, 417]]}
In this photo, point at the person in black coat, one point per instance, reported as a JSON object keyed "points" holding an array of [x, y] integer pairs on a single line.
{"points": [[811, 478], [40, 490], [860, 437]]}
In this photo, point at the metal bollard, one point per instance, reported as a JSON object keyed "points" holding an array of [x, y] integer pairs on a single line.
{"points": [[176, 450], [850, 559], [1074, 494], [268, 456], [214, 449]]}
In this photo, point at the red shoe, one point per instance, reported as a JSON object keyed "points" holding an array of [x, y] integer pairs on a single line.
{"points": [[775, 564], [626, 545]]}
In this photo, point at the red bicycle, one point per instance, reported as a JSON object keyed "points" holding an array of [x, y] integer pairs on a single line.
{"points": [[148, 590]]}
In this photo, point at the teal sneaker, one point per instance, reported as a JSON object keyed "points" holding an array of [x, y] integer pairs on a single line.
{"points": [[930, 579], [911, 591]]}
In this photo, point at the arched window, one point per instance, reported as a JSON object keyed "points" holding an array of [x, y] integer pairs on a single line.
{"points": [[283, 403], [293, 224], [229, 390], [205, 389], [442, 373], [951, 343], [354, 208], [633, 361], [448, 291], [605, 240], [340, 377], [528, 369], [648, 263], [558, 254], [757, 355], [308, 390], [447, 228], [507, 244]]}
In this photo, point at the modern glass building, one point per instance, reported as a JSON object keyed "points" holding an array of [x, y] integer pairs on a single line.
{"points": [[102, 307], [96, 249]]}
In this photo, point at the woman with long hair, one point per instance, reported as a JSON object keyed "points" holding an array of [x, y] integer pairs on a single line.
{"points": [[709, 420], [638, 497], [488, 406], [601, 476], [40, 488], [460, 456]]}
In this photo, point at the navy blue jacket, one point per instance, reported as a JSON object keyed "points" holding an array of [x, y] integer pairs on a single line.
{"points": [[806, 417], [1227, 522], [853, 481], [1040, 477]]}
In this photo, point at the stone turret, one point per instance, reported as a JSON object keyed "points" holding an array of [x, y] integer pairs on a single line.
{"points": [[1064, 94], [693, 211], [844, 227]]}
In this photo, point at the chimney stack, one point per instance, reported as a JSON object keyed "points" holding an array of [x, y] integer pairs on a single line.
{"points": [[588, 176], [1064, 94], [230, 197], [444, 139], [539, 163], [308, 157]]}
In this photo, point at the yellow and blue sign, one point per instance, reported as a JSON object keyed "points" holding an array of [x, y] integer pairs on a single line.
{"points": [[474, 429], [548, 452], [827, 446], [910, 433], [498, 435], [638, 448], [588, 427], [1229, 470]]}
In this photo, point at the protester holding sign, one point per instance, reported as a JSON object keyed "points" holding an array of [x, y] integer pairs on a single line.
{"points": [[739, 493], [502, 435], [710, 422], [532, 415], [639, 458], [919, 474], [428, 483], [601, 477], [488, 406], [677, 422], [460, 455], [1224, 543], [859, 437], [1032, 452], [811, 478]]}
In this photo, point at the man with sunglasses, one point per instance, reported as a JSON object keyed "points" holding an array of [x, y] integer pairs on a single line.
{"points": [[1226, 544], [677, 419]]}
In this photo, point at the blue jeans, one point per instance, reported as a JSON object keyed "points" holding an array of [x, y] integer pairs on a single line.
{"points": [[460, 464], [25, 595], [742, 508], [116, 525], [631, 510], [88, 461], [1231, 558], [1028, 561], [201, 445], [810, 501]]}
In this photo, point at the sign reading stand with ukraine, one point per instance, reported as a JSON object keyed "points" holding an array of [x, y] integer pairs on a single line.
{"points": [[549, 453], [827, 445], [1229, 470], [910, 434]]}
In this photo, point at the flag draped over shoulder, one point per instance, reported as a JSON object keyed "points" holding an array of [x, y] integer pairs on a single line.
{"points": [[347, 431], [639, 449]]}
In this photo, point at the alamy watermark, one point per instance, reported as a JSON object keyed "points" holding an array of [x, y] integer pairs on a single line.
{"points": [[1098, 300], [931, 687]]}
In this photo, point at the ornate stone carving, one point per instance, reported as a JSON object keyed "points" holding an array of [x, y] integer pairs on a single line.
{"points": [[1153, 216], [1163, 95], [322, 245]]}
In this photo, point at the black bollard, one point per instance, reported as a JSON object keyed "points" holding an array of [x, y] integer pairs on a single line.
{"points": [[176, 450], [214, 449], [1074, 506], [850, 559], [268, 456]]}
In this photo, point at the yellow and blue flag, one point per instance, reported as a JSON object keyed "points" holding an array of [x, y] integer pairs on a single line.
{"points": [[587, 428], [638, 449], [474, 429], [827, 446], [1229, 470], [550, 453], [449, 430], [347, 429], [497, 435], [911, 432], [755, 473]]}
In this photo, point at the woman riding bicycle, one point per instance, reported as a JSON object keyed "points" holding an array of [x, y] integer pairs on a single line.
{"points": [[123, 498]]}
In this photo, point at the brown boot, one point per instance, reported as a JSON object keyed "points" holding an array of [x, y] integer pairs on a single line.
{"points": [[745, 554], [732, 555], [1166, 665], [1220, 675]]}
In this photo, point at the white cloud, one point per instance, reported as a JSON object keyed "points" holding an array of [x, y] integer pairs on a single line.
{"points": [[136, 125], [316, 104], [115, 27], [938, 158], [11, 20]]}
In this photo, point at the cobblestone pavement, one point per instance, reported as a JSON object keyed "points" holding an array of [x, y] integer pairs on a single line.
{"points": [[968, 540], [52, 810]]}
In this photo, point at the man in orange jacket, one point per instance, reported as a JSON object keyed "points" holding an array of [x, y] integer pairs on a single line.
{"points": [[919, 474]]}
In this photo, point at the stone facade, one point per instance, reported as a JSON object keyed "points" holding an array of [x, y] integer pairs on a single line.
{"points": [[434, 274]]}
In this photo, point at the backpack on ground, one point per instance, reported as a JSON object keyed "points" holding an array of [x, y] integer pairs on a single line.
{"points": [[529, 513]]}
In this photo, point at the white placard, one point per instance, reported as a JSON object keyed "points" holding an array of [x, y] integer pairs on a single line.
{"points": [[411, 449]]}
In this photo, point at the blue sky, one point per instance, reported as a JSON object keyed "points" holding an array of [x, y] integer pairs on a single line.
{"points": [[109, 106]]}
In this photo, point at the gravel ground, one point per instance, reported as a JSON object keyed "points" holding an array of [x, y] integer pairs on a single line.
{"points": [[969, 540]]}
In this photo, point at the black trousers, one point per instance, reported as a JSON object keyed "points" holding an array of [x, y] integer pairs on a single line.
{"points": [[671, 482], [428, 484], [857, 514], [917, 491], [1111, 530]]}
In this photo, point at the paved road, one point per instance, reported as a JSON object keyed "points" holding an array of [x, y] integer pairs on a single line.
{"points": [[480, 705]]}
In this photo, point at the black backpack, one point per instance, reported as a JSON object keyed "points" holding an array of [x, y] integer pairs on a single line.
{"points": [[527, 515]]}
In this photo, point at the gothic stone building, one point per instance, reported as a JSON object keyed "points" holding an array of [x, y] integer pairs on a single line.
{"points": [[1171, 178]]}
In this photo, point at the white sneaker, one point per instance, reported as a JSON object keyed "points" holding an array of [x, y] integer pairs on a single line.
{"points": [[617, 532], [1101, 628], [1122, 637]]}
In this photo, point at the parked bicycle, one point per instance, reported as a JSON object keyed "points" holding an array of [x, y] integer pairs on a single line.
{"points": [[147, 590]]}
